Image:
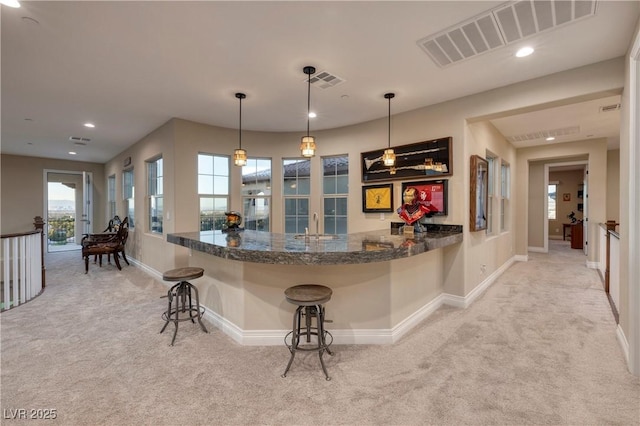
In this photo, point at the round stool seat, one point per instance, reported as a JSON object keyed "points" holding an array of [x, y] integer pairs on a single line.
{"points": [[183, 274], [308, 294]]}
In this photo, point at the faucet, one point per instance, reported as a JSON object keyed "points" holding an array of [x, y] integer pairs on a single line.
{"points": [[315, 219]]}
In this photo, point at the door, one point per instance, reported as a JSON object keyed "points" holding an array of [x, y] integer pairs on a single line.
{"points": [[68, 203]]}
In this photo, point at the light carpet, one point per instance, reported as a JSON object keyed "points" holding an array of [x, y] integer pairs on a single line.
{"points": [[538, 347]]}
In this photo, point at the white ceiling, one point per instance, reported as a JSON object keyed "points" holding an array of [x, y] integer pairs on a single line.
{"points": [[129, 67]]}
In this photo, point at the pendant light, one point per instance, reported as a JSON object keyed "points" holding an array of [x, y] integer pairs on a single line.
{"points": [[389, 157], [308, 144], [240, 155]]}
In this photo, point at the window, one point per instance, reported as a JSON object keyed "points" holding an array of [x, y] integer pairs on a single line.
{"points": [[111, 196], [154, 191], [296, 190], [552, 201], [128, 194], [491, 181], [505, 194], [335, 188], [256, 194], [213, 190]]}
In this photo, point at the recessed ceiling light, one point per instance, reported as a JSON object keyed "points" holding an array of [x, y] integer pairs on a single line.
{"points": [[90, 125], [10, 3], [312, 115], [525, 51], [72, 152], [550, 138]]}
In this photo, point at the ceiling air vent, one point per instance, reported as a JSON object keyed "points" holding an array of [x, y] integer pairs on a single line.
{"points": [[79, 139], [540, 134], [609, 108], [325, 80], [501, 26]]}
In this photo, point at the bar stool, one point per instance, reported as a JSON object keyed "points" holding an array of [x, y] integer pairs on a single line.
{"points": [[180, 292], [310, 299]]}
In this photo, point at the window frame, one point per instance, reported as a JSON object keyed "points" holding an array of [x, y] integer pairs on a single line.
{"points": [[335, 196], [302, 222], [217, 219], [253, 199], [155, 192]]}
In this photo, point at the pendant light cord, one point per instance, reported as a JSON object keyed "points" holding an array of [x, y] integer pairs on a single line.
{"points": [[308, 101], [389, 126], [240, 126]]}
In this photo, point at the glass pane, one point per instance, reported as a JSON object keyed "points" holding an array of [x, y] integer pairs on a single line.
{"points": [[342, 185], [290, 206], [159, 186], [220, 205], [221, 166], [303, 207], [159, 166], [303, 222], [329, 207], [205, 164], [206, 205], [330, 225], [290, 186], [341, 225], [304, 186], [341, 206], [221, 185], [329, 184], [304, 168], [205, 185], [290, 225]]}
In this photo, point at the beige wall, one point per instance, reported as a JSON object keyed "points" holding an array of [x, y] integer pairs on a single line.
{"points": [[479, 256], [23, 190]]}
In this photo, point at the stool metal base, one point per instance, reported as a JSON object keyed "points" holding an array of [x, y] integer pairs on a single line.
{"points": [[307, 330], [180, 293]]}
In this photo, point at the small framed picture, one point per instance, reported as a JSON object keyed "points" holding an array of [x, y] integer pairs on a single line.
{"points": [[377, 198], [566, 196]]}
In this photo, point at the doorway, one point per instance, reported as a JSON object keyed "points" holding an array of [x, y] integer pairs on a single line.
{"points": [[68, 200], [565, 207]]}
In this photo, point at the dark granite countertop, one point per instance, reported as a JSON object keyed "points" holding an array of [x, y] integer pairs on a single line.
{"points": [[285, 249]]}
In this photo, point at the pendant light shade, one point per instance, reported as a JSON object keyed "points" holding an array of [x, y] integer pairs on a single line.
{"points": [[389, 156], [240, 155], [308, 143]]}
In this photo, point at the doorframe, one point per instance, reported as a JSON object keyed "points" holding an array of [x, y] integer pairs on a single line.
{"points": [[633, 270], [547, 166], [45, 201]]}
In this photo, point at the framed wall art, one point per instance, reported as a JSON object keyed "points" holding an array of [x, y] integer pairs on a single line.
{"points": [[479, 193], [377, 198], [436, 191], [429, 159]]}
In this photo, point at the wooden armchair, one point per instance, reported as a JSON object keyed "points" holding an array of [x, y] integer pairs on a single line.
{"points": [[106, 243]]}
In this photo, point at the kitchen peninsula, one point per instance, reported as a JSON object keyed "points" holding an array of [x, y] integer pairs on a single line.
{"points": [[379, 280]]}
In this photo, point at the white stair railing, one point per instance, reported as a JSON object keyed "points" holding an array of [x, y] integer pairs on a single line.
{"points": [[21, 268]]}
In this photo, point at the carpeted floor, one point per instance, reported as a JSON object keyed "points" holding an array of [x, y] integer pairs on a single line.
{"points": [[539, 347]]}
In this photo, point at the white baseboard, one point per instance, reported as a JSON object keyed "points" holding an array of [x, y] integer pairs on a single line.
{"points": [[624, 344], [537, 250], [521, 258], [351, 336], [593, 265]]}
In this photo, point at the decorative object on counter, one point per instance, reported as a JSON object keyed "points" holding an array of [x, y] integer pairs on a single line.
{"points": [[308, 144], [310, 299], [389, 157], [416, 204], [429, 159], [240, 155], [438, 193], [377, 198], [180, 293], [233, 222], [479, 193]]}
